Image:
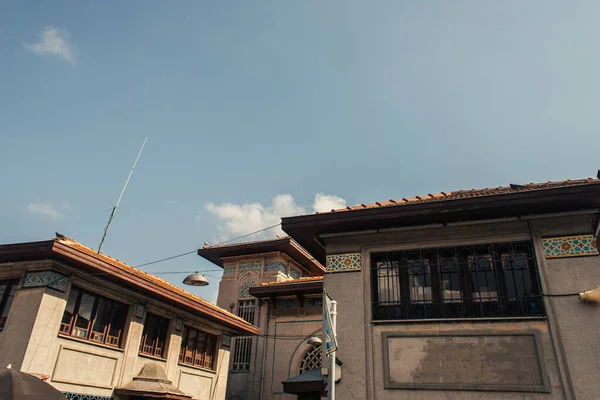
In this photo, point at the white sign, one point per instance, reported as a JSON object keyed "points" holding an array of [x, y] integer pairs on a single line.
{"points": [[330, 339]]}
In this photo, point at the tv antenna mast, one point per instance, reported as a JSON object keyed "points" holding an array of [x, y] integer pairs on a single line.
{"points": [[114, 210]]}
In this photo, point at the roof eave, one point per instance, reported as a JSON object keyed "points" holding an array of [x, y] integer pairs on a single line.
{"points": [[291, 289]]}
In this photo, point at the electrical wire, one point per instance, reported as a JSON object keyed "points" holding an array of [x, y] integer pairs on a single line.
{"points": [[218, 244], [560, 294]]}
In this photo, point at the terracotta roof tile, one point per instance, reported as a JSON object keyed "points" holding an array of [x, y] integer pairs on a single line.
{"points": [[144, 275], [462, 194], [304, 279]]}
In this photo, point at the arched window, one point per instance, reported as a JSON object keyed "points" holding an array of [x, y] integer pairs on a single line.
{"points": [[312, 359]]}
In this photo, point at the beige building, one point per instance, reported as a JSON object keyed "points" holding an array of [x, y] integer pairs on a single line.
{"points": [[277, 286], [464, 295], [96, 328]]}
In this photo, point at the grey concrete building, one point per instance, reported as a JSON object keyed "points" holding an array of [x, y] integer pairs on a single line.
{"points": [[464, 295]]}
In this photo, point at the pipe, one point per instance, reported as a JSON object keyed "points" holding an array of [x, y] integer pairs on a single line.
{"points": [[262, 372]]}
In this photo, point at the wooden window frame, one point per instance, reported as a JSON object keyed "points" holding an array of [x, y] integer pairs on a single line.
{"points": [[155, 348], [195, 358], [11, 284], [70, 329]]}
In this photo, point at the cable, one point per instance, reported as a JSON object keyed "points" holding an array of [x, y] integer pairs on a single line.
{"points": [[560, 294], [219, 244]]}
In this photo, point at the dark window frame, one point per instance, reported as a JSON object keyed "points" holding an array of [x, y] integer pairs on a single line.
{"points": [[203, 355], [242, 346], [495, 280], [153, 343], [88, 333], [7, 298]]}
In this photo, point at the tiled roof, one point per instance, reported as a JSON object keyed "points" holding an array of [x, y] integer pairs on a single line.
{"points": [[144, 275], [462, 194], [304, 279]]}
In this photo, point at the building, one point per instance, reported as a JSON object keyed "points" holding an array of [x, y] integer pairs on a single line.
{"points": [[97, 328], [277, 286], [464, 295]]}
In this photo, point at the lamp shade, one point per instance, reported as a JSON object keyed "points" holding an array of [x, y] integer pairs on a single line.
{"points": [[195, 279]]}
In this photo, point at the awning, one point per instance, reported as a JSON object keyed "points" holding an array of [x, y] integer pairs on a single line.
{"points": [[152, 382], [311, 381], [15, 385]]}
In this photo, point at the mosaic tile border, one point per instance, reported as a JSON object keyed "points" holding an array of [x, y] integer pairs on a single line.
{"points": [[245, 287], [229, 270], [250, 266], [570, 246], [50, 279], [275, 266], [79, 396], [314, 302], [226, 342], [295, 273], [343, 262], [287, 303]]}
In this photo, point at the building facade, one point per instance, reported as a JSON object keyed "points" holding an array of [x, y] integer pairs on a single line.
{"points": [[89, 324], [464, 295], [277, 286]]}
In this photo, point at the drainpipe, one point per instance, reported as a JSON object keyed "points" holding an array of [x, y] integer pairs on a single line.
{"points": [[262, 372]]}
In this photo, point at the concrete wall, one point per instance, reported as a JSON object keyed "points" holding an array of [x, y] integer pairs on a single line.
{"points": [[566, 341]]}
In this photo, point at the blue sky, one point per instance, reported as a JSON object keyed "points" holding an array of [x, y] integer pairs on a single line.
{"points": [[252, 108]]}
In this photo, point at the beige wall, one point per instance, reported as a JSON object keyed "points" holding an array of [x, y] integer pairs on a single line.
{"points": [[568, 338], [30, 342]]}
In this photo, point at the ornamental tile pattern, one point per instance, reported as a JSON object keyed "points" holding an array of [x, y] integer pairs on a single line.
{"points": [[295, 273], [343, 262], [229, 270], [314, 302], [79, 396], [249, 266], [245, 287], [274, 266], [287, 303], [570, 246], [226, 340], [51, 279]]}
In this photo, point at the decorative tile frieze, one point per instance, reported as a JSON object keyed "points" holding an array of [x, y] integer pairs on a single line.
{"points": [[228, 270], [179, 324], [343, 262], [249, 266], [245, 287], [570, 246], [275, 266], [295, 273], [226, 341], [314, 302], [287, 303], [140, 309], [79, 396], [50, 279]]}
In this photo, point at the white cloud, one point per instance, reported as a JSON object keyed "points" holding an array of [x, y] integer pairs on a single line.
{"points": [[47, 210], [53, 41], [242, 219]]}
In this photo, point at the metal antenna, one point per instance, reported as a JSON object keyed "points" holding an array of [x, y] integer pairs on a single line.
{"points": [[112, 214]]}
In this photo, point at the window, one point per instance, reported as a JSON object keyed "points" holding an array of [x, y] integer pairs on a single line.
{"points": [[243, 345], [492, 280], [8, 290], [312, 359], [94, 318], [198, 348], [154, 335]]}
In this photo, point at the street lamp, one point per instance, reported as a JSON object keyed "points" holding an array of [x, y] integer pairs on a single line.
{"points": [[314, 341], [195, 279]]}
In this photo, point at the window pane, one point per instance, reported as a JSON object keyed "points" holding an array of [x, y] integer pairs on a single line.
{"points": [[9, 293], [102, 319], [483, 282], [419, 280], [450, 280], [84, 314], [70, 308], [388, 277], [154, 336], [117, 323], [517, 275]]}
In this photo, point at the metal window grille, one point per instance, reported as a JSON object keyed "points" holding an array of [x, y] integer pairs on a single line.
{"points": [[312, 359], [491, 280], [242, 349]]}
